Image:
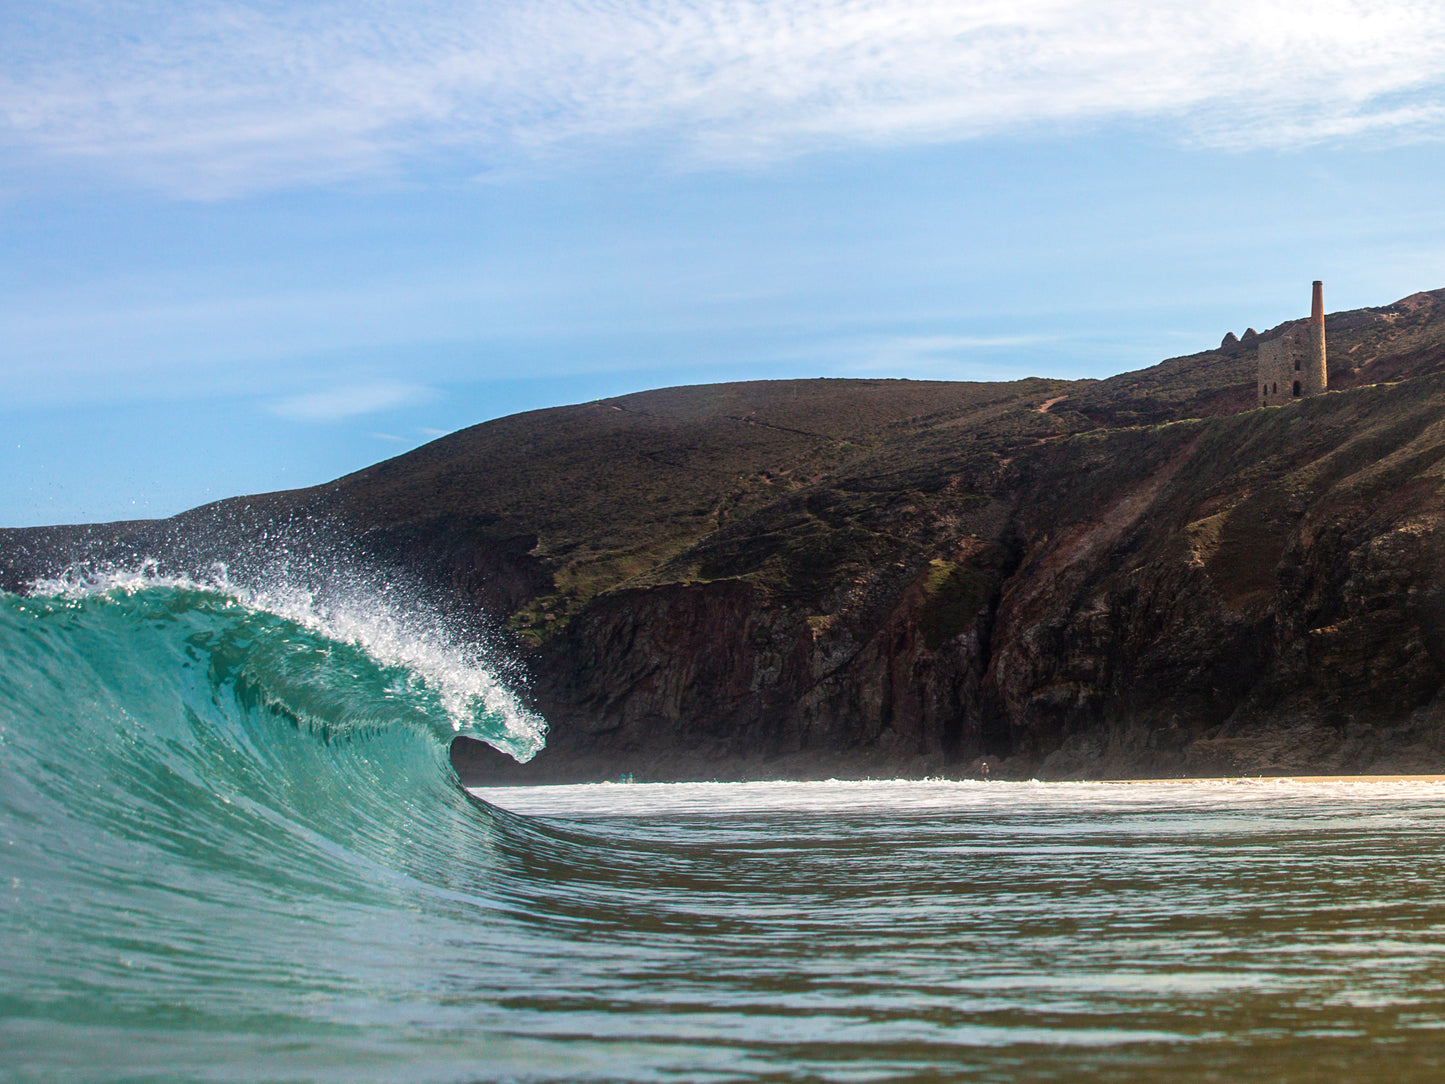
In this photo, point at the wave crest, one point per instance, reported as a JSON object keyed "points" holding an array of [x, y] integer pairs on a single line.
{"points": [[340, 654]]}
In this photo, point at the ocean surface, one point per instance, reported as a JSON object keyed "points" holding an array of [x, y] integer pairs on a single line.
{"points": [[232, 849]]}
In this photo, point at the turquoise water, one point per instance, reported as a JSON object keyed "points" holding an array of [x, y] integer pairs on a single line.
{"points": [[232, 848]]}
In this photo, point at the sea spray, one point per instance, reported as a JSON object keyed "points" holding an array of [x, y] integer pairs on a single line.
{"points": [[415, 646]]}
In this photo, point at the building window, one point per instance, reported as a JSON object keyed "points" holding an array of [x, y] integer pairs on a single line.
{"points": [[1296, 364], [1296, 388], [1274, 389]]}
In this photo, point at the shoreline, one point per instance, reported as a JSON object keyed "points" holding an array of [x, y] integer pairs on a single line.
{"points": [[937, 796], [1392, 778], [919, 795], [943, 780]]}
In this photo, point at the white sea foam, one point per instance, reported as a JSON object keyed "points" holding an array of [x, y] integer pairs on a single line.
{"points": [[957, 796], [375, 618]]}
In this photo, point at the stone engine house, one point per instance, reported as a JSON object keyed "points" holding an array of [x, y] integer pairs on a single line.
{"points": [[1292, 365]]}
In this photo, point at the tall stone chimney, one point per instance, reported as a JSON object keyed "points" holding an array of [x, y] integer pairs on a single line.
{"points": [[1292, 364], [1315, 376]]}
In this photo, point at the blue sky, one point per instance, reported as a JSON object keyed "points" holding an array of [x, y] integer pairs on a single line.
{"points": [[249, 246]]}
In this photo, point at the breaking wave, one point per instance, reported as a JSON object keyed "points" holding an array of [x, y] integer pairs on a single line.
{"points": [[228, 815]]}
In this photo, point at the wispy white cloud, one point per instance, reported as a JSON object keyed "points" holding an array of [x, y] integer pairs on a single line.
{"points": [[210, 97], [334, 404]]}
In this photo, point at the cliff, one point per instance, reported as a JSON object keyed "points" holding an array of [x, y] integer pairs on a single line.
{"points": [[1135, 576]]}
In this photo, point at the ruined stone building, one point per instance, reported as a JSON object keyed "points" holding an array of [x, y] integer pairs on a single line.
{"points": [[1292, 365]]}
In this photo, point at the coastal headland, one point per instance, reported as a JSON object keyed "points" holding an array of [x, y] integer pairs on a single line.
{"points": [[1145, 576]]}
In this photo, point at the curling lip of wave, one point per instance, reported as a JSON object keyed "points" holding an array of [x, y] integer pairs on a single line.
{"points": [[458, 676]]}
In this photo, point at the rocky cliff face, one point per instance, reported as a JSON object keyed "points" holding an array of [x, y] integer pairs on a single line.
{"points": [[1139, 576], [1261, 593]]}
